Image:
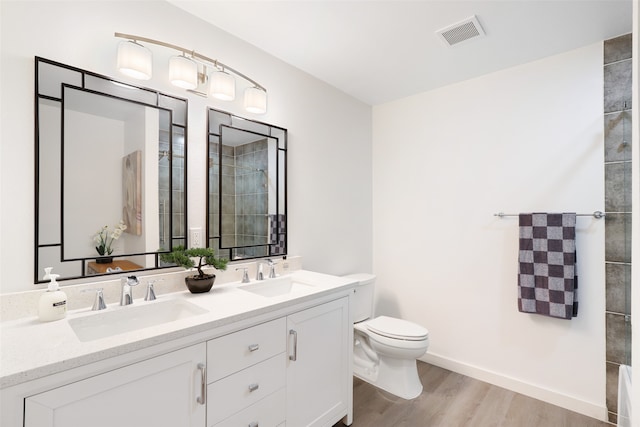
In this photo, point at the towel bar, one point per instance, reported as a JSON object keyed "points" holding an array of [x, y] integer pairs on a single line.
{"points": [[596, 214]]}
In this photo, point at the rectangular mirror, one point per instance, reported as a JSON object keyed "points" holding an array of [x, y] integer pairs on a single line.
{"points": [[246, 187], [106, 152]]}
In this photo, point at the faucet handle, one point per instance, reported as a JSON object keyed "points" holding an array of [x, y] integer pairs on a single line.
{"points": [[272, 268], [98, 303], [130, 280], [245, 274], [151, 293]]}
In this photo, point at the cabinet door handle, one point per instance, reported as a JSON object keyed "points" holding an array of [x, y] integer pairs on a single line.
{"points": [[294, 356], [254, 386], [254, 347], [202, 399]]}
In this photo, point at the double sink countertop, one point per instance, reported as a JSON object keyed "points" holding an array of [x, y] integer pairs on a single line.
{"points": [[32, 349]]}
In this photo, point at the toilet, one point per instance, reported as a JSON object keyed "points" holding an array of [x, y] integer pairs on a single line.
{"points": [[385, 348]]}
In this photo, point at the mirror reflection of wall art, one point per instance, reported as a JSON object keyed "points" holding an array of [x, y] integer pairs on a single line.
{"points": [[132, 192]]}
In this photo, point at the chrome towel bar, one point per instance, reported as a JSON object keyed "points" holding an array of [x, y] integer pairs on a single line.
{"points": [[596, 214]]}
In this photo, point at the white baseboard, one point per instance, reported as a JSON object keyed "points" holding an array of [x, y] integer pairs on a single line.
{"points": [[568, 402]]}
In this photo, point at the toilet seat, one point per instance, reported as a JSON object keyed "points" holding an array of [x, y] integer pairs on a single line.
{"points": [[399, 329]]}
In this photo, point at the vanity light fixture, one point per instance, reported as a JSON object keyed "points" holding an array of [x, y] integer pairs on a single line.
{"points": [[183, 72], [255, 100], [222, 85], [134, 60]]}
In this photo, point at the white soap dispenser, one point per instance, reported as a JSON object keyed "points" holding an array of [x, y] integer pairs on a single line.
{"points": [[53, 303]]}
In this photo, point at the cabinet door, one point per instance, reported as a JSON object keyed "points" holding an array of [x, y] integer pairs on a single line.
{"points": [[162, 391], [318, 377]]}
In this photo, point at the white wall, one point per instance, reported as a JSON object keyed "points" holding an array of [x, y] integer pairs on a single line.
{"points": [[329, 132], [524, 139]]}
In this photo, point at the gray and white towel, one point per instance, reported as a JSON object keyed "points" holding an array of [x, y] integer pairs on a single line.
{"points": [[547, 276]]}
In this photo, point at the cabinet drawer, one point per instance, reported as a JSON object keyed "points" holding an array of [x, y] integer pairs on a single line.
{"points": [[238, 391], [268, 412], [234, 352]]}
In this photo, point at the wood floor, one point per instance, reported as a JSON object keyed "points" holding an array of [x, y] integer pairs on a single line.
{"points": [[453, 400]]}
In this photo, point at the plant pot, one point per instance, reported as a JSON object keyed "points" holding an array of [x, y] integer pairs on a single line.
{"points": [[104, 260], [200, 285]]}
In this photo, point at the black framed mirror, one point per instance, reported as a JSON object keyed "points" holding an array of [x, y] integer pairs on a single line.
{"points": [[110, 165], [246, 187]]}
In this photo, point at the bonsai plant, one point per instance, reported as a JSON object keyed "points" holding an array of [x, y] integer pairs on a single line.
{"points": [[200, 282]]}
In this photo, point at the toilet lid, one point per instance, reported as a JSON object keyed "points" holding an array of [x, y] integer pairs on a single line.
{"points": [[397, 328]]}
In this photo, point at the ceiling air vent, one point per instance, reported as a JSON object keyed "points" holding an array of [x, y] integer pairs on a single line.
{"points": [[462, 31]]}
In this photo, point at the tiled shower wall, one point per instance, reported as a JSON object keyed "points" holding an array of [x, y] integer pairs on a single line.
{"points": [[617, 125], [244, 198], [166, 215], [252, 197]]}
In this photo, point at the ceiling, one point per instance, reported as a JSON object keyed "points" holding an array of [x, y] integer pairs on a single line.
{"points": [[380, 51]]}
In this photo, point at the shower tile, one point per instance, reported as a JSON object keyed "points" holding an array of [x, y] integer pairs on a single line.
{"points": [[228, 186], [214, 224], [618, 283], [617, 86], [617, 49], [614, 148], [617, 187], [228, 205], [227, 151], [616, 334], [260, 159], [178, 201], [617, 237], [178, 225], [612, 387], [228, 225], [613, 418]]}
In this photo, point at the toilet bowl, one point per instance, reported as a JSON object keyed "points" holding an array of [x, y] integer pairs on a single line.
{"points": [[385, 348]]}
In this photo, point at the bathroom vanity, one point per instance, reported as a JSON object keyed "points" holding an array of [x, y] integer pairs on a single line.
{"points": [[269, 353]]}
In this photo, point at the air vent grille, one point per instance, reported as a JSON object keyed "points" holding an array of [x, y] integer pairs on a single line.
{"points": [[462, 31]]}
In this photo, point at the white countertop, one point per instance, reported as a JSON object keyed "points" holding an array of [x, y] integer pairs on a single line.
{"points": [[32, 349]]}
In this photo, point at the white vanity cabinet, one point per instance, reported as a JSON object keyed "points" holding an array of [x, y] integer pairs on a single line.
{"points": [[161, 392], [259, 378], [318, 366], [287, 366], [246, 375]]}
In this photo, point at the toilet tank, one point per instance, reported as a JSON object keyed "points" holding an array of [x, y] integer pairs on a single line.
{"points": [[363, 296]]}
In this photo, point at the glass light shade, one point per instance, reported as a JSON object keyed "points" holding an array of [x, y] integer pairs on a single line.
{"points": [[134, 60], [255, 100], [222, 85], [183, 72]]}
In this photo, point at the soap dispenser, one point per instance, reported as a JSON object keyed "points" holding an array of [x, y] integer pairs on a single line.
{"points": [[53, 303]]}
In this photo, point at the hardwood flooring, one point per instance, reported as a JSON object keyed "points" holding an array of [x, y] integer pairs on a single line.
{"points": [[453, 400]]}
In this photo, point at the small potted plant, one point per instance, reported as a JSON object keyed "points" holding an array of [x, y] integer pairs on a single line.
{"points": [[200, 282], [105, 238]]}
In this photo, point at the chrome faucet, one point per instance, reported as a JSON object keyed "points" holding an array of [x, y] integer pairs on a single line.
{"points": [[126, 296], [272, 268], [259, 274], [98, 302], [151, 292], [245, 274]]}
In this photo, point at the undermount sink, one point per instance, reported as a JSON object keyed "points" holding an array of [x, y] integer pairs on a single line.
{"points": [[130, 318], [277, 287]]}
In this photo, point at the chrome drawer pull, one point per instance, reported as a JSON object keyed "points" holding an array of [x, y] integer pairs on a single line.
{"points": [[254, 347], [254, 386], [202, 399], [253, 424], [294, 356]]}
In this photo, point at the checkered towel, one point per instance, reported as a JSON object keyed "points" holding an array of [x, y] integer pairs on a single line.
{"points": [[547, 276]]}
